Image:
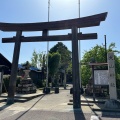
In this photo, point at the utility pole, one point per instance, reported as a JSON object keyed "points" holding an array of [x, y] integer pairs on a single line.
{"points": [[48, 45], [105, 49], [79, 45], [79, 48]]}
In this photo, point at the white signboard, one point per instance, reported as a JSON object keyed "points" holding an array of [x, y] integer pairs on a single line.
{"points": [[112, 81], [101, 77]]}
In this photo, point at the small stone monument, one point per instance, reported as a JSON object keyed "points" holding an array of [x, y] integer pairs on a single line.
{"points": [[113, 103], [26, 75], [26, 84]]}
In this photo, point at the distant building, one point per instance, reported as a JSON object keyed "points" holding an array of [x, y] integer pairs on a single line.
{"points": [[36, 74], [6, 62]]}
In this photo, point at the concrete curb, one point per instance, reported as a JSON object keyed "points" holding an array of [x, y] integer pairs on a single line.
{"points": [[23, 98], [82, 104], [88, 101]]}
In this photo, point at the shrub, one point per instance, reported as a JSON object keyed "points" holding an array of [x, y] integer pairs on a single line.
{"points": [[6, 79]]}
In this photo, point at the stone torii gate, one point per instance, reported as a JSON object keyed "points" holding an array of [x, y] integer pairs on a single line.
{"points": [[45, 27]]}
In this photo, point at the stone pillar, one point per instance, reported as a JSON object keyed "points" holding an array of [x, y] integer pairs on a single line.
{"points": [[75, 69], [12, 83], [111, 76], [113, 103]]}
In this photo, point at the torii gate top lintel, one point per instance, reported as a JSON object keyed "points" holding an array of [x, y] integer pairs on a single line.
{"points": [[88, 21]]}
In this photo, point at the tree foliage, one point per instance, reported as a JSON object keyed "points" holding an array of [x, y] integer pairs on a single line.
{"points": [[38, 59], [53, 63], [98, 54], [34, 59], [65, 61], [64, 53]]}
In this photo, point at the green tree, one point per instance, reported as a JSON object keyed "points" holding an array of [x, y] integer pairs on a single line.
{"points": [[98, 54], [65, 54], [85, 75], [38, 59], [34, 59], [65, 61], [53, 64]]}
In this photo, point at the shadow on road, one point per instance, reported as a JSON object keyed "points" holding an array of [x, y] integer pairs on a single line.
{"points": [[78, 114], [30, 108], [110, 115], [4, 107], [91, 108]]}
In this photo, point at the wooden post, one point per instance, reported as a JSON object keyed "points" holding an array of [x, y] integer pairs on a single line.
{"points": [[12, 83], [75, 69], [1, 81], [93, 82]]}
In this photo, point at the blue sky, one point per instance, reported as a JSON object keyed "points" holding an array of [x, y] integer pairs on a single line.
{"points": [[28, 11]]}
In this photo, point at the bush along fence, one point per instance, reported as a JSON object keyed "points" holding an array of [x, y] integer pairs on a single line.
{"points": [[6, 79]]}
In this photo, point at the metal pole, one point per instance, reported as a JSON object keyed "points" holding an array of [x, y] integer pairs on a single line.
{"points": [[105, 50], [79, 40], [48, 45], [79, 48], [79, 7], [48, 9]]}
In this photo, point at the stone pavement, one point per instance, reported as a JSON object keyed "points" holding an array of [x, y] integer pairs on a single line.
{"points": [[53, 107], [22, 97]]}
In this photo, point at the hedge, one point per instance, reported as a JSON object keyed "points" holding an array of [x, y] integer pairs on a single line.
{"points": [[6, 79]]}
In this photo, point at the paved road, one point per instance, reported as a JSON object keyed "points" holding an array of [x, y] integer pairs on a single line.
{"points": [[49, 107]]}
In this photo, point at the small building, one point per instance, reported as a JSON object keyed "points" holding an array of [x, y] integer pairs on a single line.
{"points": [[4, 61]]}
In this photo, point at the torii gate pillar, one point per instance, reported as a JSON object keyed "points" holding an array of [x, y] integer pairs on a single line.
{"points": [[12, 83], [75, 69]]}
